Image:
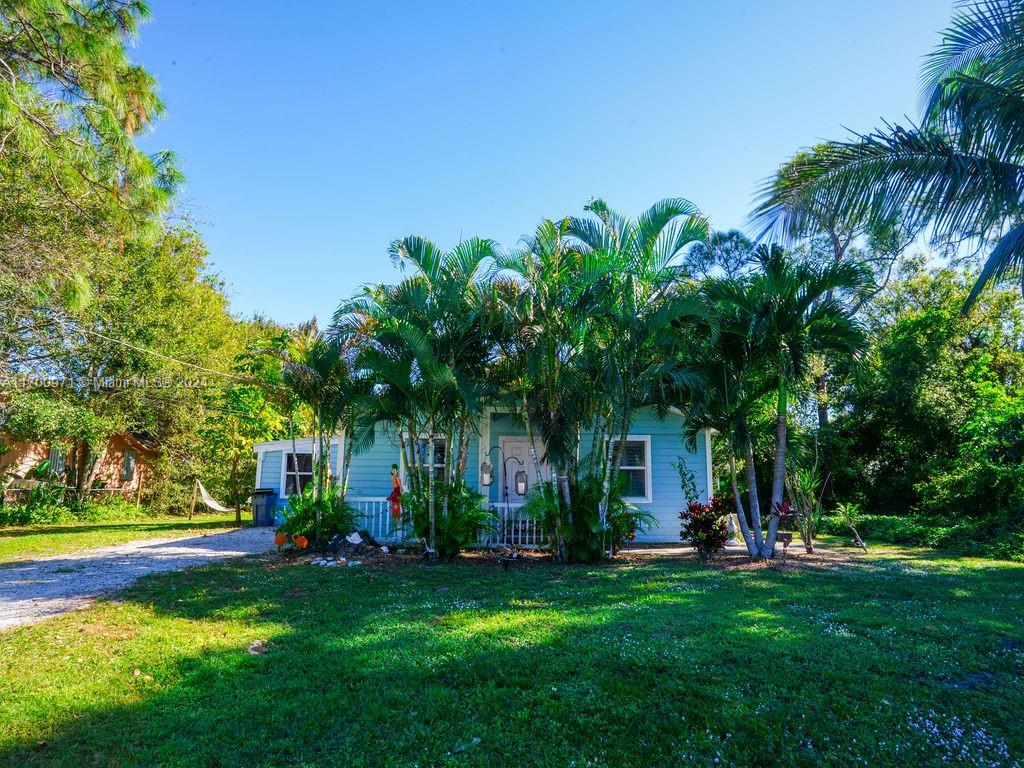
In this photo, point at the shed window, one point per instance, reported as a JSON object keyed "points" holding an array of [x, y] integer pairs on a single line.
{"points": [[128, 467], [57, 459], [298, 472]]}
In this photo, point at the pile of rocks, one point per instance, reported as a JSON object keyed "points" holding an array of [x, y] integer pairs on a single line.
{"points": [[350, 550]]}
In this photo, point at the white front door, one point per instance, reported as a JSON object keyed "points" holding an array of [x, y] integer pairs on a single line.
{"points": [[517, 448]]}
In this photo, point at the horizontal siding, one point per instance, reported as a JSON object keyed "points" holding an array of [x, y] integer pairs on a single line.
{"points": [[667, 446], [270, 472], [370, 471]]}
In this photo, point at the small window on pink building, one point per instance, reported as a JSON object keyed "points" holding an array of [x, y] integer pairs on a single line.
{"points": [[128, 468]]}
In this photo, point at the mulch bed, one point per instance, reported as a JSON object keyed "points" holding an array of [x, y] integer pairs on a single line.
{"points": [[374, 556]]}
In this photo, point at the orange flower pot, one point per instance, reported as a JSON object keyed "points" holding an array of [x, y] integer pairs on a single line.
{"points": [[301, 542], [280, 539]]}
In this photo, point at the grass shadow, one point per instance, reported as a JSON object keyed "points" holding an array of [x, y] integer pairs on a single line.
{"points": [[660, 663]]}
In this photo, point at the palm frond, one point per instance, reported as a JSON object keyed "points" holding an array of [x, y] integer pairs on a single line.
{"points": [[1006, 258], [987, 31]]}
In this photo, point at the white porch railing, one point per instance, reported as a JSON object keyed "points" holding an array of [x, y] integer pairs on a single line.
{"points": [[374, 516], [512, 527]]}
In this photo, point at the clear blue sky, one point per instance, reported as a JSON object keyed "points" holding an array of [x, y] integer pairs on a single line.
{"points": [[314, 133]]}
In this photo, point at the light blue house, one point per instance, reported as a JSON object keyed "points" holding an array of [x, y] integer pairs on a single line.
{"points": [[654, 448]]}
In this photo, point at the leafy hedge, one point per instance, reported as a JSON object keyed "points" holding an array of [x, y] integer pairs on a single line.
{"points": [[990, 537], [54, 513]]}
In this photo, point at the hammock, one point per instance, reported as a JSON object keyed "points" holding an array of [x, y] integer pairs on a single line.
{"points": [[209, 501]]}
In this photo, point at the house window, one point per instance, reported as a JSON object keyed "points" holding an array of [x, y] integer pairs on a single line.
{"points": [[128, 467], [57, 459], [298, 472], [635, 470], [436, 461]]}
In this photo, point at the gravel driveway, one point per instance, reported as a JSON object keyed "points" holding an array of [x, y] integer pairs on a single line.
{"points": [[33, 590]]}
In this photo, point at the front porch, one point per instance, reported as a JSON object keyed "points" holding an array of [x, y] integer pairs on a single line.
{"points": [[513, 528]]}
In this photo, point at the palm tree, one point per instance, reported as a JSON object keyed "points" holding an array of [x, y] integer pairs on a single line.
{"points": [[733, 390], [425, 343], [540, 293], [319, 377], [637, 267], [790, 312], [961, 171]]}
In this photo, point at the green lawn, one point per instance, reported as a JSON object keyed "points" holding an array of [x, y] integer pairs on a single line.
{"points": [[28, 541], [899, 658]]}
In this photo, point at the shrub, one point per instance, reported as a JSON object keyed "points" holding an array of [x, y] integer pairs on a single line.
{"points": [[115, 508], [44, 511], [300, 515], [848, 515], [806, 508], [998, 536], [577, 527], [705, 527], [464, 522]]}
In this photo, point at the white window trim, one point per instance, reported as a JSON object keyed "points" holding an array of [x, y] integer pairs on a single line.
{"points": [[708, 457], [648, 498], [401, 454], [284, 469], [302, 445]]}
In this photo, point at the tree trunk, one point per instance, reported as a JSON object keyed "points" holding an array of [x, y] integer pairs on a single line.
{"points": [[748, 539], [779, 474], [233, 479], [606, 470], [755, 501], [415, 476], [431, 549], [559, 544], [449, 444], [348, 463], [317, 490], [460, 467], [530, 439], [824, 443]]}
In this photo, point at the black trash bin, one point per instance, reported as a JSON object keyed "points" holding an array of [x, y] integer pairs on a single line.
{"points": [[264, 503]]}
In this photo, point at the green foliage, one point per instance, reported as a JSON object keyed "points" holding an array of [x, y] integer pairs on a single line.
{"points": [[300, 514], [578, 526], [687, 480], [931, 424], [49, 507], [461, 516], [960, 171], [72, 101], [705, 527], [805, 489], [47, 416]]}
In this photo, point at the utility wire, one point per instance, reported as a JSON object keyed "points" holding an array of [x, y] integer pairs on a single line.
{"points": [[138, 348]]}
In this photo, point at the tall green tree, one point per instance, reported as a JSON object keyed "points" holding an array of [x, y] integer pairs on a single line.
{"points": [[961, 171], [640, 265], [789, 316], [72, 102], [731, 399], [75, 189], [426, 344]]}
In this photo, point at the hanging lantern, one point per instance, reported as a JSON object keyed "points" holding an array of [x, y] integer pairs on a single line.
{"points": [[521, 483], [486, 474]]}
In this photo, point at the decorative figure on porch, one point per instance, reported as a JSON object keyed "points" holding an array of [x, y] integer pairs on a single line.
{"points": [[395, 497]]}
